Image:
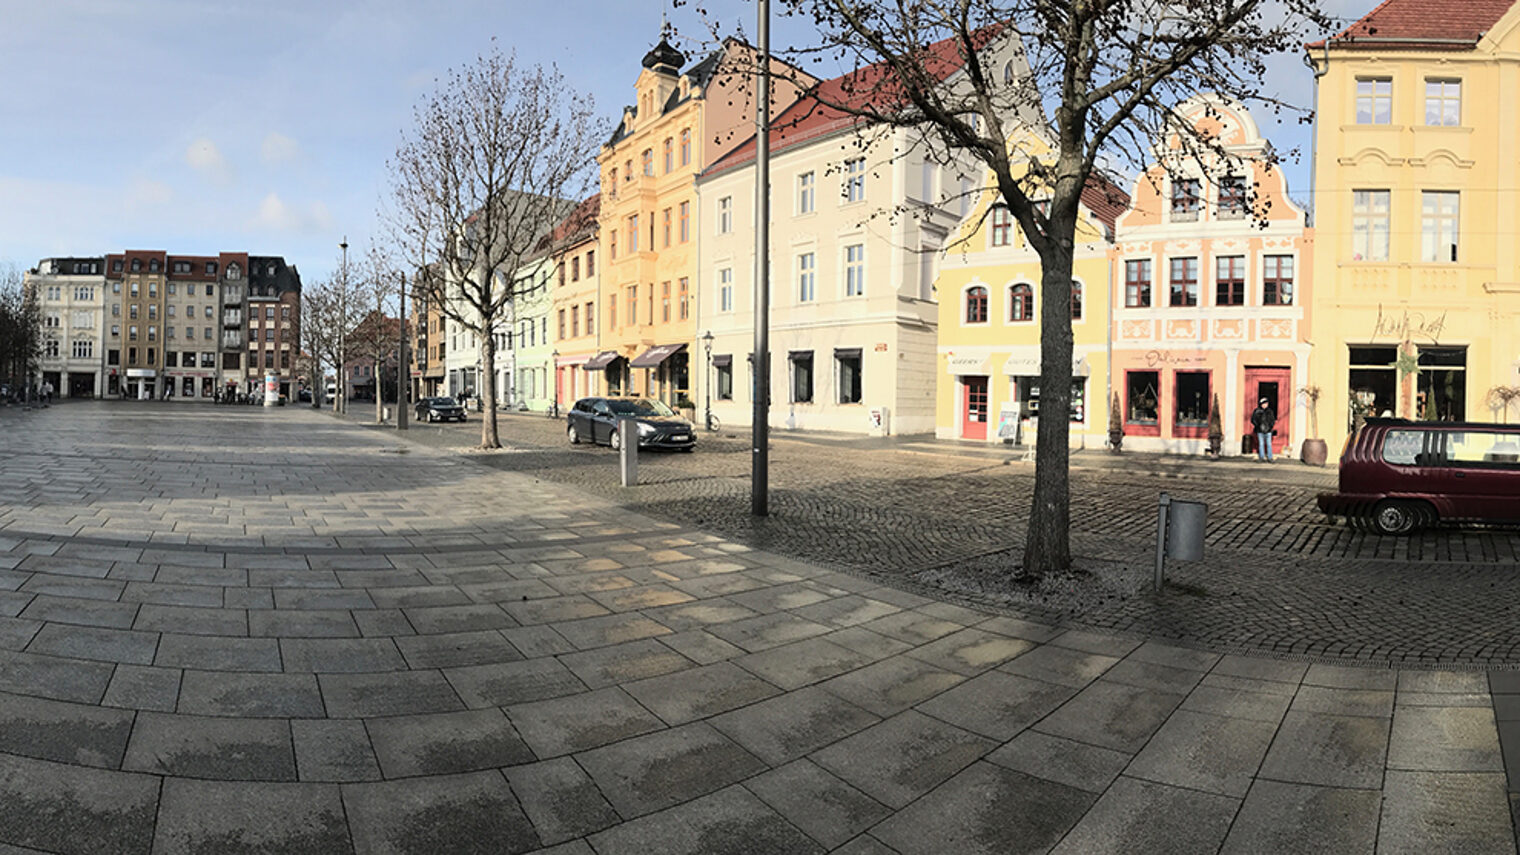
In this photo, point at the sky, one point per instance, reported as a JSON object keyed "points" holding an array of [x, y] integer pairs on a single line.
{"points": [[264, 126]]}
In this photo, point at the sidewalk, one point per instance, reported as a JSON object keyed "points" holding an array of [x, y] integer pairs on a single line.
{"points": [[350, 649]]}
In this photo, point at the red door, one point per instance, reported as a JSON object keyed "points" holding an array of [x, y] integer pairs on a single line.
{"points": [[974, 407], [1272, 384]]}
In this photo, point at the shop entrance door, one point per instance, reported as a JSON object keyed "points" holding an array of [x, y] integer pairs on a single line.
{"points": [[1272, 384], [974, 407]]}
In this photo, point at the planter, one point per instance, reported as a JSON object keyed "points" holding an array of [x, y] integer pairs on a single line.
{"points": [[1314, 452]]}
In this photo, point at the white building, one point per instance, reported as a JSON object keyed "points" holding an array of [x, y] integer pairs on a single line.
{"points": [[71, 296]]}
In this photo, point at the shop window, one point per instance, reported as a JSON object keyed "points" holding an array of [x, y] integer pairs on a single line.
{"points": [[976, 305], [802, 376], [1142, 407], [1020, 303], [1442, 392], [1373, 381], [723, 367], [1191, 399], [848, 365], [1137, 283]]}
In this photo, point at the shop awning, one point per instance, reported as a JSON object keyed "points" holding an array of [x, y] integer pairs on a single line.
{"points": [[723, 360], [655, 355], [601, 360]]}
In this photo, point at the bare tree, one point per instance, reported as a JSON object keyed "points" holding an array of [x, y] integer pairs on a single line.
{"points": [[1106, 73], [496, 158], [20, 332], [330, 311]]}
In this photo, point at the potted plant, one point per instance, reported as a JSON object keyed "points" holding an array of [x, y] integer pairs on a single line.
{"points": [[1115, 426], [1314, 451], [1216, 429], [1501, 398]]}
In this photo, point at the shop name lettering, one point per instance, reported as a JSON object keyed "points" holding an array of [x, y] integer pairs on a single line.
{"points": [[1162, 357], [1409, 326]]}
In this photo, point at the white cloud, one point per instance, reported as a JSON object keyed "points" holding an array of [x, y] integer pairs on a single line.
{"points": [[204, 157], [144, 192], [278, 149], [275, 215]]}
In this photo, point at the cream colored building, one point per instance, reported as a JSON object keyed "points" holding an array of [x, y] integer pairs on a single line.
{"points": [[70, 294]]}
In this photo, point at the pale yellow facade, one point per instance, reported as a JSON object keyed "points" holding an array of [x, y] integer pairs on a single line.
{"points": [[1416, 299]]}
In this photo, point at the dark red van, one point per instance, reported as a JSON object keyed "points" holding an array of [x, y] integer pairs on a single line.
{"points": [[1400, 475]]}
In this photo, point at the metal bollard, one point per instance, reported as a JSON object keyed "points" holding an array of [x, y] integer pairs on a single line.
{"points": [[628, 455], [1179, 533]]}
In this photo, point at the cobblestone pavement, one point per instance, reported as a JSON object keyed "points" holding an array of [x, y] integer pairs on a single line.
{"points": [[1278, 577], [239, 630]]}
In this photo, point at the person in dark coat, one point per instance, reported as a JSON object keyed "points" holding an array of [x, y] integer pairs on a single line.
{"points": [[1264, 422]]}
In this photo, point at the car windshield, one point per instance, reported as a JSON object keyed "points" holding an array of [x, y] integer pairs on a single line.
{"points": [[440, 402], [640, 407]]}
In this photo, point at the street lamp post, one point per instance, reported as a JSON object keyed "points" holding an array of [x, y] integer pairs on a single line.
{"points": [[342, 385], [554, 366], [403, 370], [707, 340], [759, 501]]}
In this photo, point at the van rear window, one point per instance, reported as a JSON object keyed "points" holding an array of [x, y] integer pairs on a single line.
{"points": [[1401, 447], [1483, 447]]}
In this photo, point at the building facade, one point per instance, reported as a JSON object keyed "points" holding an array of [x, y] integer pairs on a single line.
{"points": [[1417, 274], [573, 247], [133, 345], [71, 296], [988, 361], [1208, 291], [274, 323], [533, 304]]}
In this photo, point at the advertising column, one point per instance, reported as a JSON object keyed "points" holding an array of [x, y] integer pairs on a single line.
{"points": [[271, 389]]}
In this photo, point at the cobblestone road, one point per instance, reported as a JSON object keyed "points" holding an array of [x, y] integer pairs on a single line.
{"points": [[1277, 577]]}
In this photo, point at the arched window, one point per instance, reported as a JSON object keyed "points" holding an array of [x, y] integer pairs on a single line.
{"points": [[1020, 303], [976, 305], [1009, 74], [1076, 301]]}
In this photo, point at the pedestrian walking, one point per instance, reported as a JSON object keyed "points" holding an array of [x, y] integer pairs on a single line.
{"points": [[1264, 422], [47, 391]]}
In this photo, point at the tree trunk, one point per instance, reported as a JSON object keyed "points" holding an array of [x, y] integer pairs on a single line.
{"points": [[1047, 548], [489, 438], [379, 394]]}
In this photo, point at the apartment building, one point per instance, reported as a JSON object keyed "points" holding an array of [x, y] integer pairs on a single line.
{"points": [[133, 341], [573, 247], [71, 296], [274, 323]]}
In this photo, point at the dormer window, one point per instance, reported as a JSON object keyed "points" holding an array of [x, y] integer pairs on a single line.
{"points": [[1185, 200], [234, 271], [153, 266], [137, 265]]}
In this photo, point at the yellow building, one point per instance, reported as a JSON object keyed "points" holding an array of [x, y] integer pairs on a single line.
{"points": [[988, 375], [1416, 299], [681, 121], [574, 292]]}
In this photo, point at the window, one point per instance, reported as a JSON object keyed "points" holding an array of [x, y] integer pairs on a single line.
{"points": [[1230, 280], [134, 289], [1002, 226], [685, 298], [153, 266], [590, 262], [116, 265], [726, 289], [562, 326], [685, 222], [1076, 301], [855, 270], [612, 313], [152, 311], [208, 359], [685, 146], [1185, 199], [189, 311], [113, 357], [575, 269], [1232, 197], [132, 332], [1438, 226], [723, 367], [153, 288], [115, 310], [667, 226], [633, 233], [976, 305], [83, 348], [628, 169], [647, 161], [725, 215], [115, 287], [131, 356], [1369, 225], [664, 301], [670, 154], [181, 267], [84, 292], [633, 306], [806, 290], [1374, 101], [115, 330], [211, 268], [171, 360], [136, 265], [590, 327], [1184, 282], [854, 189], [802, 376], [613, 182], [50, 348], [575, 321], [612, 242], [1020, 303], [1142, 401], [805, 192], [847, 368], [1277, 280], [1137, 283], [1192, 403]]}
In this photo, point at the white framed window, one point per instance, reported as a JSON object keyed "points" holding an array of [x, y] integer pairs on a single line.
{"points": [[83, 348], [805, 190], [855, 270], [806, 277], [854, 187], [726, 289], [725, 215], [1369, 225], [1374, 101], [1443, 102], [1438, 225]]}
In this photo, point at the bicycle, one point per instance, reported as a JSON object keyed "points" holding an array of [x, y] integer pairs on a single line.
{"points": [[713, 424]]}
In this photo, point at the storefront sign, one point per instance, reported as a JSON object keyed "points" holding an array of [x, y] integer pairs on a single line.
{"points": [[1029, 366], [1154, 358]]}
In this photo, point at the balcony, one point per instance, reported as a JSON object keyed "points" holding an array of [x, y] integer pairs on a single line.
{"points": [[232, 318], [232, 339]]}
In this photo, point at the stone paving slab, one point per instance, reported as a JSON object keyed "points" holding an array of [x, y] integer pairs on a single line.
{"points": [[371, 663]]}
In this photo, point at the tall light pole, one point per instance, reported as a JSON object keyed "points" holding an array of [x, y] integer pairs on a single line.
{"points": [[403, 369], [554, 367], [759, 498], [343, 329], [707, 340]]}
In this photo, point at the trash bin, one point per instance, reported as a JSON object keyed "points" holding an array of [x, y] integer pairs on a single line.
{"points": [[1184, 530]]}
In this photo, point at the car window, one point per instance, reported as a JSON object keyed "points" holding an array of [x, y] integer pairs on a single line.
{"points": [[1487, 447], [653, 407], [600, 407], [1401, 447]]}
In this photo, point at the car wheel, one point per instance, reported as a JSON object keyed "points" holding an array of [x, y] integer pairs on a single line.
{"points": [[573, 434], [1395, 518], [615, 440]]}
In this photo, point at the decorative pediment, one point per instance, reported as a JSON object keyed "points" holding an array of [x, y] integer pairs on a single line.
{"points": [[1371, 156], [1441, 157]]}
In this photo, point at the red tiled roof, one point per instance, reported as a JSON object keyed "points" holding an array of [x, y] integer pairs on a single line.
{"points": [[869, 87], [583, 217], [1427, 24], [1105, 200]]}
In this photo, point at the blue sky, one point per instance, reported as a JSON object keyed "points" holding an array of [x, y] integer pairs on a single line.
{"points": [[199, 126]]}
